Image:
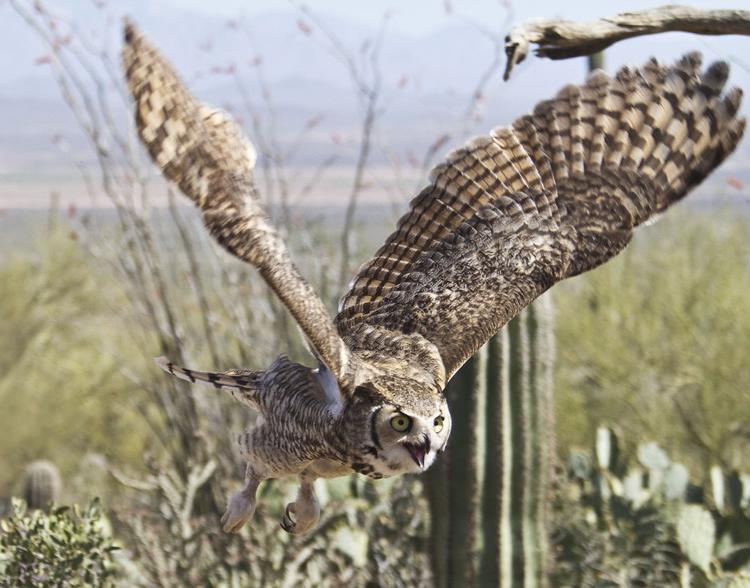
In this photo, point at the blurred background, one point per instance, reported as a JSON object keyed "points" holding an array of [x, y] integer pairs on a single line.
{"points": [[349, 105]]}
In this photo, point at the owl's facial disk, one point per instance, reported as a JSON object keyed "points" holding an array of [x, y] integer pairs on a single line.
{"points": [[409, 441]]}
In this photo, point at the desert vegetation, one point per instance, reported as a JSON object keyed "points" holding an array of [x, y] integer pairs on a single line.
{"points": [[645, 475]]}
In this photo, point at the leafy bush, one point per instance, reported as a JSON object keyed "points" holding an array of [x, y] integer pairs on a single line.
{"points": [[67, 547], [653, 341], [370, 534], [60, 349]]}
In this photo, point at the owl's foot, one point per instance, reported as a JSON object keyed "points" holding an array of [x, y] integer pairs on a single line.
{"points": [[240, 508], [303, 514]]}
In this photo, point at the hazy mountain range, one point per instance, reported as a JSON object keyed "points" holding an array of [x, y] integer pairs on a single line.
{"points": [[427, 82]]}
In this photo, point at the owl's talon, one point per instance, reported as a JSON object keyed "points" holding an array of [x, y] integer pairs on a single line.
{"points": [[288, 522], [240, 508], [303, 514]]}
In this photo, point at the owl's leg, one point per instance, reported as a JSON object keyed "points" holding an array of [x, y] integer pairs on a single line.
{"points": [[242, 503], [303, 514]]}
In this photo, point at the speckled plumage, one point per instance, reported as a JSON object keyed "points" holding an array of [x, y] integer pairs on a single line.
{"points": [[502, 220]]}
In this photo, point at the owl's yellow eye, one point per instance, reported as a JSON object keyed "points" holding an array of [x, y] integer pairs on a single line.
{"points": [[438, 424], [401, 423]]}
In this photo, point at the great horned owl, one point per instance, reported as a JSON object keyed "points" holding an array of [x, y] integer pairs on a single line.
{"points": [[505, 217]]}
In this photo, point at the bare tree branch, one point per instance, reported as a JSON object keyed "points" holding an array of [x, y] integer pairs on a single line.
{"points": [[562, 39], [367, 78]]}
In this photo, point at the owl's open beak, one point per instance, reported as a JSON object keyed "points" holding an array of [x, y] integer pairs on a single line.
{"points": [[418, 451]]}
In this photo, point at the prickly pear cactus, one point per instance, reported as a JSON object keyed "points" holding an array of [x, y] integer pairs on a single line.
{"points": [[676, 479], [696, 534], [739, 581], [717, 487], [647, 524], [607, 448], [41, 485]]}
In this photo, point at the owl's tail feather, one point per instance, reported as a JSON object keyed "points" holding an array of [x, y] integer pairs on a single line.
{"points": [[243, 385]]}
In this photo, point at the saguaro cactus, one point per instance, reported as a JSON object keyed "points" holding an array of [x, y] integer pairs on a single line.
{"points": [[41, 484], [489, 495]]}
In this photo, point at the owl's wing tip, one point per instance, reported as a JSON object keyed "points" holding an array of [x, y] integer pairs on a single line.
{"points": [[129, 30]]}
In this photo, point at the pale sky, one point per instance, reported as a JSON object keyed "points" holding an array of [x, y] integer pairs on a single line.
{"points": [[426, 40], [424, 16], [411, 17]]}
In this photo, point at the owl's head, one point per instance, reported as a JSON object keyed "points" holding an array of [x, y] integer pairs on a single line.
{"points": [[403, 436]]}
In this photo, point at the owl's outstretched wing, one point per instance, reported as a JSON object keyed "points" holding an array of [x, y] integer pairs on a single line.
{"points": [[202, 150], [556, 194]]}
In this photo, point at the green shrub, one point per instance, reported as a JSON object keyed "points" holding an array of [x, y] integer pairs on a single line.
{"points": [[67, 547], [654, 341], [61, 346]]}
